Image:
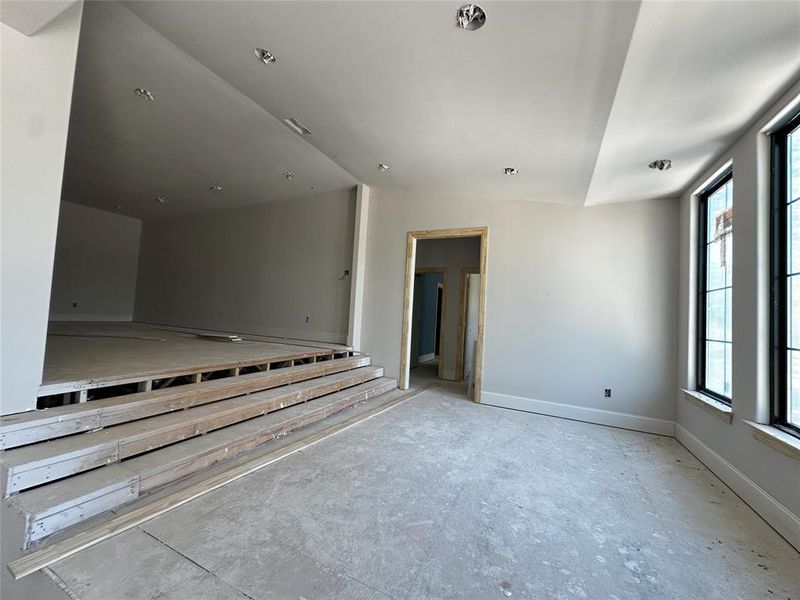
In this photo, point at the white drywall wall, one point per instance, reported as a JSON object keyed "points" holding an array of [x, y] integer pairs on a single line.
{"points": [[776, 473], [452, 254], [97, 255], [260, 269], [36, 88], [361, 222], [578, 299]]}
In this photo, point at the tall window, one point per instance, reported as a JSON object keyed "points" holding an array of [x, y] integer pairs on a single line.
{"points": [[715, 285], [786, 276]]}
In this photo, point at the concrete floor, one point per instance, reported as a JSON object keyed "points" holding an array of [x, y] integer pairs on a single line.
{"points": [[443, 498]]}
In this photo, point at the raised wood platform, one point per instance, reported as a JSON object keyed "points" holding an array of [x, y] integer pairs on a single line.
{"points": [[82, 356], [66, 464], [35, 426]]}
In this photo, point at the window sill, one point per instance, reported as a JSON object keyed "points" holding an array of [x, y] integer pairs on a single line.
{"points": [[715, 407], [777, 439]]}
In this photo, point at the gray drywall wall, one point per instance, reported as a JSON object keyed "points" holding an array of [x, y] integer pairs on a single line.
{"points": [[37, 74], [453, 255], [97, 256], [578, 299], [776, 473], [261, 269]]}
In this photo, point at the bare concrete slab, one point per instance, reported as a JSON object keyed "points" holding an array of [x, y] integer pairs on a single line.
{"points": [[442, 498]]}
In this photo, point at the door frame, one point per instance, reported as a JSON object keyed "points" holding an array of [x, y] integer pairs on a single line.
{"points": [[442, 338], [462, 319], [408, 298]]}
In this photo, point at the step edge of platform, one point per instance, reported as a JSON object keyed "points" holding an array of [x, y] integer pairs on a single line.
{"points": [[371, 388], [77, 412], [16, 470]]}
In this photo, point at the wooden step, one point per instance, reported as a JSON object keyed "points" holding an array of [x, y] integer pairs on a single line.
{"points": [[36, 426], [37, 464], [51, 508]]}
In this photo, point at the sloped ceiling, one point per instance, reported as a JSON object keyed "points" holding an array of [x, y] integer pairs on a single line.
{"points": [[579, 96], [30, 17]]}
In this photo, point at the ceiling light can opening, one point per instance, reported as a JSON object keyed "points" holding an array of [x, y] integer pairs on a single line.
{"points": [[146, 94], [215, 188], [265, 56], [510, 171], [297, 126], [383, 167], [161, 200], [289, 175], [662, 164], [470, 17]]}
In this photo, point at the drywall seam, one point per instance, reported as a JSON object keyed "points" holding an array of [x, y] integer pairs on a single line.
{"points": [[784, 521], [597, 416]]}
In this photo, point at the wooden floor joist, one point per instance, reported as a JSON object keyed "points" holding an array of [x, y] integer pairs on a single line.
{"points": [[60, 550]]}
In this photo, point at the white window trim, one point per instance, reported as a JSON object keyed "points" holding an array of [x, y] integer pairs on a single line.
{"points": [[777, 439], [710, 405]]}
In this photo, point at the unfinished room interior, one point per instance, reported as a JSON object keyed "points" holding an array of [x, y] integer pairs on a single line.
{"points": [[397, 300]]}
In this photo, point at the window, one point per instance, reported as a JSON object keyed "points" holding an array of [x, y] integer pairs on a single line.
{"points": [[715, 286], [786, 276]]}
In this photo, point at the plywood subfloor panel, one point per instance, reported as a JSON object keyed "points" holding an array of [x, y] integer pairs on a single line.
{"points": [[79, 351]]}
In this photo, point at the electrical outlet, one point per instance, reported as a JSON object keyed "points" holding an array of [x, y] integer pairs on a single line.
{"points": [[308, 318], [607, 393]]}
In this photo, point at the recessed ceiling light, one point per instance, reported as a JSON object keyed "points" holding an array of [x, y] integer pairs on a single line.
{"points": [[470, 17], [161, 200], [296, 126], [662, 164], [510, 171], [146, 94], [215, 188], [289, 175], [265, 56], [383, 167]]}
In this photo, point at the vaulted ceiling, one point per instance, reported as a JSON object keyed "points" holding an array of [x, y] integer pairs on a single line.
{"points": [[578, 96]]}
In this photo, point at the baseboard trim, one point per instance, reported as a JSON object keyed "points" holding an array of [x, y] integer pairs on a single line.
{"points": [[426, 357], [784, 521], [70, 317], [581, 413]]}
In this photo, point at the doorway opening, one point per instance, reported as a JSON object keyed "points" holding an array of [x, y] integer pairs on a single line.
{"points": [[444, 298]]}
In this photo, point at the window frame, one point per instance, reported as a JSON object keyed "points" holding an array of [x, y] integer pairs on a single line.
{"points": [[702, 269], [779, 276]]}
